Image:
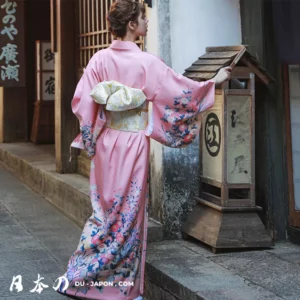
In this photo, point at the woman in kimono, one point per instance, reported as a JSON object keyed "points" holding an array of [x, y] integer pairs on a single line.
{"points": [[111, 103]]}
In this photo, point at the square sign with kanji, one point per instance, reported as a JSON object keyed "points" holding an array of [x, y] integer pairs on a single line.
{"points": [[45, 71]]}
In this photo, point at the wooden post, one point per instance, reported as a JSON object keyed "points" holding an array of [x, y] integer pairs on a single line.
{"points": [[13, 115], [1, 114], [66, 125]]}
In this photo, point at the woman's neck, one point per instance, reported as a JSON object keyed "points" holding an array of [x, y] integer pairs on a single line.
{"points": [[129, 37]]}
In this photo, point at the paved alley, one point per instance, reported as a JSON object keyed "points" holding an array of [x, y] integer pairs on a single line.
{"points": [[35, 238]]}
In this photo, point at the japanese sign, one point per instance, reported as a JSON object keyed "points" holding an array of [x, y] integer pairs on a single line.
{"points": [[12, 68], [45, 71], [213, 134]]}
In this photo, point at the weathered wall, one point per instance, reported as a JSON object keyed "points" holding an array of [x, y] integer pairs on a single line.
{"points": [[184, 31], [196, 24], [158, 42]]}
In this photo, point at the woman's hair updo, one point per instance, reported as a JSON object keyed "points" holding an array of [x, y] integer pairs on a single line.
{"points": [[121, 13]]}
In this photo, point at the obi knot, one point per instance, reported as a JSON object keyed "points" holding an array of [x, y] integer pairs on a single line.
{"points": [[117, 97]]}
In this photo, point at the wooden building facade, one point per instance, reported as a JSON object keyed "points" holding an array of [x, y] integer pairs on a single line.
{"points": [[277, 122]]}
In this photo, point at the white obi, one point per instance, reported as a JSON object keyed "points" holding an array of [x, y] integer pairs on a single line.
{"points": [[126, 109]]}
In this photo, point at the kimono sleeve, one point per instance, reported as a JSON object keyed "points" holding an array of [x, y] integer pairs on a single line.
{"points": [[177, 104], [89, 113]]}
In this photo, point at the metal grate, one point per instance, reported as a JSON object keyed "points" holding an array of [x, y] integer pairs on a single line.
{"points": [[93, 29]]}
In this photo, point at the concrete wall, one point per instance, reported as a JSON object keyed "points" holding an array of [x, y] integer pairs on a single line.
{"points": [[184, 29]]}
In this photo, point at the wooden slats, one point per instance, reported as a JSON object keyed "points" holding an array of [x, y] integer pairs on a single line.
{"points": [[89, 48], [225, 48], [238, 57], [204, 68], [225, 54], [93, 29], [212, 61], [263, 76], [197, 76]]}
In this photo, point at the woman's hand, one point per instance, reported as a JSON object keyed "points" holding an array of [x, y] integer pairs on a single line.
{"points": [[222, 75]]}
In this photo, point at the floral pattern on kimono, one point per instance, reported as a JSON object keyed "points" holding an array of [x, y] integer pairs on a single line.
{"points": [[109, 248], [91, 119], [176, 119]]}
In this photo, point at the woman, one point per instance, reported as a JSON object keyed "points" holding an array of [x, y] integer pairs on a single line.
{"points": [[111, 103]]}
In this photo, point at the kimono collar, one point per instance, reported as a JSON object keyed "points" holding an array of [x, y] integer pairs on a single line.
{"points": [[125, 45]]}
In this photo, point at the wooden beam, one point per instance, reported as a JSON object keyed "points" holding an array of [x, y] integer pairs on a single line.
{"points": [[222, 55], [289, 152], [204, 68], [232, 208], [263, 77], [14, 117], [216, 61], [66, 125], [224, 48], [1, 114]]}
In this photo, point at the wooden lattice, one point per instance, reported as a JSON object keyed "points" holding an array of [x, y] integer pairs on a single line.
{"points": [[93, 29]]}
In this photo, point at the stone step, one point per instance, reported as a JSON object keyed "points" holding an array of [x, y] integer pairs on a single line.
{"points": [[187, 270], [35, 166]]}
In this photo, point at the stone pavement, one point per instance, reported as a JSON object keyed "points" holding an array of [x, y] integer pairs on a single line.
{"points": [[190, 271], [36, 238]]}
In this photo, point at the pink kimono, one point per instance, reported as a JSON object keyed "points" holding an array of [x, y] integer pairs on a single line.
{"points": [[109, 262]]}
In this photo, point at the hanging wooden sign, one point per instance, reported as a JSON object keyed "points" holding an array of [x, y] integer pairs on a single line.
{"points": [[12, 54], [45, 71], [43, 119]]}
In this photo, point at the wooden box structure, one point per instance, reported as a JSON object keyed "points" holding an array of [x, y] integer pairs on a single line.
{"points": [[226, 214], [43, 118]]}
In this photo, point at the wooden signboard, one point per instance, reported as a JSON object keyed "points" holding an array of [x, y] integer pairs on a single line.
{"points": [[212, 122], [225, 215], [12, 56], [45, 71], [43, 119]]}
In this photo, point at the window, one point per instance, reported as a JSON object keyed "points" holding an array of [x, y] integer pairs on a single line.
{"points": [[93, 29]]}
